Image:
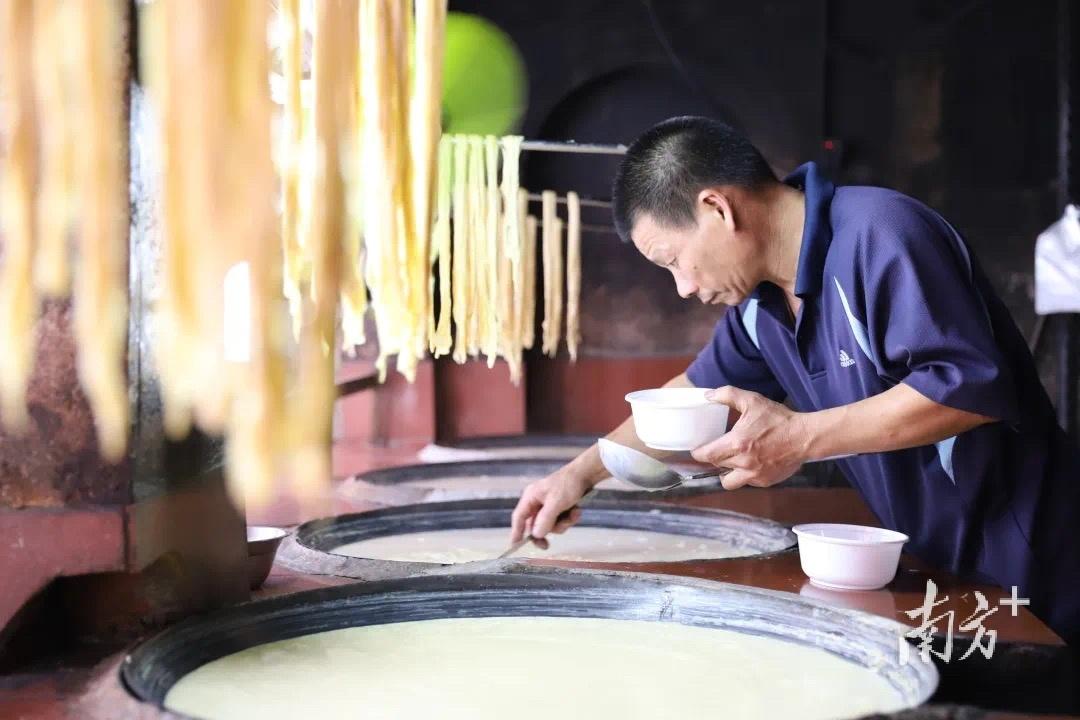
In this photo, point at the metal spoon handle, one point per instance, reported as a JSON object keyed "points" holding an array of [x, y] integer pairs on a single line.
{"points": [[715, 472], [721, 472], [514, 547]]}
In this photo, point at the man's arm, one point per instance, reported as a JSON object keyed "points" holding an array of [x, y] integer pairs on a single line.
{"points": [[731, 358], [769, 442], [898, 418], [543, 500]]}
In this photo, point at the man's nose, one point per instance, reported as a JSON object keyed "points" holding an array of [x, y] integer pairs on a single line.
{"points": [[684, 287]]}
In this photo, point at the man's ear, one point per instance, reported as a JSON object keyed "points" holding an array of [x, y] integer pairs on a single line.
{"points": [[714, 201]]}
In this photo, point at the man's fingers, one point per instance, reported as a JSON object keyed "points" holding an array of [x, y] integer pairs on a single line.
{"points": [[538, 542], [719, 450], [733, 397], [525, 511], [735, 479], [759, 482], [546, 519], [566, 523]]}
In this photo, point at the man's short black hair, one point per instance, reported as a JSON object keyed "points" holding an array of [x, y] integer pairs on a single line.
{"points": [[666, 168]]}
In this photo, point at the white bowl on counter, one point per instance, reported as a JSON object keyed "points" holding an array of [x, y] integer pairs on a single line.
{"points": [[849, 557], [676, 418]]}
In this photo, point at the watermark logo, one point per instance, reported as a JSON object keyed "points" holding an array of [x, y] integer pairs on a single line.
{"points": [[930, 625]]}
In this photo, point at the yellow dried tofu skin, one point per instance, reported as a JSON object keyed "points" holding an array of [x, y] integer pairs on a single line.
{"points": [[550, 342], [55, 61], [573, 274], [442, 339], [510, 267], [63, 173], [462, 254], [18, 175], [294, 149], [425, 129], [100, 283], [557, 272], [492, 223], [449, 209], [478, 308], [528, 276], [256, 422]]}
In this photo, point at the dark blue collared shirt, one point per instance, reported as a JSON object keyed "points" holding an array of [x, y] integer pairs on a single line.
{"points": [[891, 294]]}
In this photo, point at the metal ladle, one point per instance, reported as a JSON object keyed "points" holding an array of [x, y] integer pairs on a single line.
{"points": [[648, 473], [637, 468]]}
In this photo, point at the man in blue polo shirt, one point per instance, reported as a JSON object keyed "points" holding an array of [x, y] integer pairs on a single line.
{"points": [[865, 311]]}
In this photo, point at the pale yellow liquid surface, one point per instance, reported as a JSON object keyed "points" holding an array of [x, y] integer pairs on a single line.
{"points": [[532, 668], [578, 543]]}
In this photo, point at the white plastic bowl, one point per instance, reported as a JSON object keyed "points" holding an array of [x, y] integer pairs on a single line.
{"points": [[676, 418], [849, 557]]}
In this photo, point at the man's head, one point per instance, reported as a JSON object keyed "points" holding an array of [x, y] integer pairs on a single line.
{"points": [[685, 196]]}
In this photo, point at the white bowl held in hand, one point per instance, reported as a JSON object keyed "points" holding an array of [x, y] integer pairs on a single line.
{"points": [[849, 557], [676, 418]]}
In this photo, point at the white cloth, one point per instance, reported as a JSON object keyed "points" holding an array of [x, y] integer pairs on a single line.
{"points": [[1057, 265]]}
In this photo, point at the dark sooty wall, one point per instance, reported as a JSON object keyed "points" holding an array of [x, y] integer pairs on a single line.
{"points": [[952, 102]]}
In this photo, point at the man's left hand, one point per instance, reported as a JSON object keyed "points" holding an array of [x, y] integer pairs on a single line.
{"points": [[766, 446]]}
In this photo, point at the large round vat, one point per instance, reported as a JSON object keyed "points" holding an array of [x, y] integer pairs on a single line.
{"points": [[853, 651], [608, 531]]}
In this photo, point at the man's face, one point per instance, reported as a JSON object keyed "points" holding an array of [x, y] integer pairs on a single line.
{"points": [[710, 259]]}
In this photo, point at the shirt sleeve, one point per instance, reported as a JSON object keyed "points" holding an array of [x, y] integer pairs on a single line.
{"points": [[732, 358], [927, 321]]}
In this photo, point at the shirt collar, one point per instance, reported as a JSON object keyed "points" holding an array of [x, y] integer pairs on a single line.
{"points": [[817, 232]]}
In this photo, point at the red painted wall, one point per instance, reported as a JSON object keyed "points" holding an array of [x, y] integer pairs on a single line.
{"points": [[587, 396]]}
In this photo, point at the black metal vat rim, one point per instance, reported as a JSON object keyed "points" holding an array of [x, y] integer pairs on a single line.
{"points": [[401, 484], [153, 667], [544, 466], [460, 468], [759, 535], [525, 440]]}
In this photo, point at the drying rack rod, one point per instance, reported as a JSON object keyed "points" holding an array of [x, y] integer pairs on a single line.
{"points": [[583, 148], [561, 200], [572, 147]]}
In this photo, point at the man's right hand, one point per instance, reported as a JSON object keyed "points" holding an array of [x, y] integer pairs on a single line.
{"points": [[537, 512]]}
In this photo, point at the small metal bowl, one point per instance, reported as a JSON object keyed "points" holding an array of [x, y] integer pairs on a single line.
{"points": [[262, 545]]}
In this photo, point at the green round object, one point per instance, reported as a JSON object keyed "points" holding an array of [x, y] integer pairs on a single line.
{"points": [[483, 78]]}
